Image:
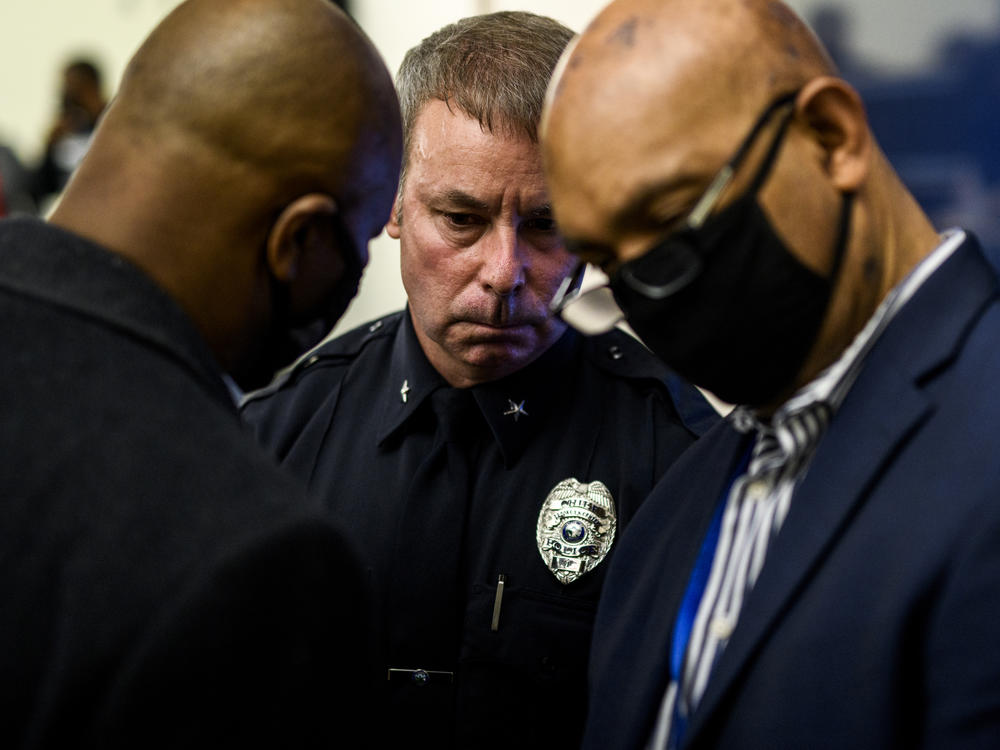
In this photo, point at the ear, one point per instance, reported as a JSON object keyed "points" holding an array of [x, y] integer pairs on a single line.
{"points": [[392, 226], [292, 233], [834, 112]]}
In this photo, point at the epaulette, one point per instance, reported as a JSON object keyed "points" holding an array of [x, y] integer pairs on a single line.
{"points": [[334, 349], [623, 355]]}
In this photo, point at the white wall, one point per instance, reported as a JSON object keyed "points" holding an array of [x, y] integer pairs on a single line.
{"points": [[37, 36], [36, 39]]}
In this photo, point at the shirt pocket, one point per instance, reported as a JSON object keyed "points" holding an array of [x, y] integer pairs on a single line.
{"points": [[527, 678]]}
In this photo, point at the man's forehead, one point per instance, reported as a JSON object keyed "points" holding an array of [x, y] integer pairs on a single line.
{"points": [[444, 125], [625, 166], [453, 157]]}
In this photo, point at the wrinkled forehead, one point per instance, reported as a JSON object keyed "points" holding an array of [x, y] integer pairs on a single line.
{"points": [[453, 153]]}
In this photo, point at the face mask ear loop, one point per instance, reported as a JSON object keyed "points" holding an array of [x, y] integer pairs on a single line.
{"points": [[772, 154], [707, 202], [840, 249], [765, 117]]}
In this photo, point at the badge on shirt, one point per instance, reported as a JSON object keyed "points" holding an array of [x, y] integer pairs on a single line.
{"points": [[576, 528]]}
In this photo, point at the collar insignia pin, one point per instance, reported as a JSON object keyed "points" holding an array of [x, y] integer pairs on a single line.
{"points": [[405, 390], [515, 410], [576, 528]]}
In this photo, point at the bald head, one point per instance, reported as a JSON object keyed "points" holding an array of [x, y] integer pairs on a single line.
{"points": [[655, 99], [287, 88], [748, 48], [251, 152], [660, 68]]}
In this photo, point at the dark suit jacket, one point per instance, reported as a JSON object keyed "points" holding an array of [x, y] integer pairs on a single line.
{"points": [[873, 623], [162, 584]]}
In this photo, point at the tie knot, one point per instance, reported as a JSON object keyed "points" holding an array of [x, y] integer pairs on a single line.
{"points": [[790, 441]]}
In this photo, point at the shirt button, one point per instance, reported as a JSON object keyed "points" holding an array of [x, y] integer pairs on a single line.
{"points": [[723, 626], [615, 353]]}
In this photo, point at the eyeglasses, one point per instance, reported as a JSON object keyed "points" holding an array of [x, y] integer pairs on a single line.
{"points": [[593, 310]]}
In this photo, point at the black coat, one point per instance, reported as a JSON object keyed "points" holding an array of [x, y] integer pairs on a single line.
{"points": [[162, 584]]}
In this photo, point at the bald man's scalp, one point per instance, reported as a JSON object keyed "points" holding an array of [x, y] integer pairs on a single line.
{"points": [[746, 50], [285, 87], [625, 33]]}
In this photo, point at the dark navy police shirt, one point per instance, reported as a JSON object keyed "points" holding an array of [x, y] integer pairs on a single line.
{"points": [[443, 489]]}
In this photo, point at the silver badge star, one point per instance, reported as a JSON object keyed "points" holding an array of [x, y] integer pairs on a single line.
{"points": [[515, 410]]}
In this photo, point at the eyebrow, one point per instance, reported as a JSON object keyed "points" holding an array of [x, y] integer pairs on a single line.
{"points": [[464, 200], [637, 207], [461, 199]]}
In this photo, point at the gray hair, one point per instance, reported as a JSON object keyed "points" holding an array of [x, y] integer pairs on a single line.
{"points": [[495, 68]]}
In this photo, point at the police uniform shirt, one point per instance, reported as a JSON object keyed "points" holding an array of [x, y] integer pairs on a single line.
{"points": [[443, 489]]}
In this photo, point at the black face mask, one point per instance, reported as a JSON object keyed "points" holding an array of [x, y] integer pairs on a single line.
{"points": [[303, 337], [287, 339], [725, 303]]}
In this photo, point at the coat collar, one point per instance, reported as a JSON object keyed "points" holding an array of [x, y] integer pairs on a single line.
{"points": [[884, 407], [46, 262]]}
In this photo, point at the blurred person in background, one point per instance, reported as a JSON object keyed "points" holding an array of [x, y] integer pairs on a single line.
{"points": [[81, 102], [15, 185]]}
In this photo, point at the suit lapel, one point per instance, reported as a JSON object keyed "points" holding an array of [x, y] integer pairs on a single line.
{"points": [[884, 408], [631, 667], [822, 506]]}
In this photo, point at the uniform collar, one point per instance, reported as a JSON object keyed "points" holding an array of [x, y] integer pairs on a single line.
{"points": [[411, 380], [521, 405], [514, 408]]}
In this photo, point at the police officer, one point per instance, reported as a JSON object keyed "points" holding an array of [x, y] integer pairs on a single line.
{"points": [[486, 457]]}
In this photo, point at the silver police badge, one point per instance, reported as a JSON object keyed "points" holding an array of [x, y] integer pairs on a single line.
{"points": [[576, 528]]}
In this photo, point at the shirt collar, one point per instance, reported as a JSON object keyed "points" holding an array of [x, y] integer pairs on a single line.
{"points": [[514, 408], [521, 405], [411, 380]]}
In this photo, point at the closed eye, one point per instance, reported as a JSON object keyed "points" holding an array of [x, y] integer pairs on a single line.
{"points": [[540, 224], [459, 219]]}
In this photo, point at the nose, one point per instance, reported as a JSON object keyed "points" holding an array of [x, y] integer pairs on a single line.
{"points": [[502, 271]]}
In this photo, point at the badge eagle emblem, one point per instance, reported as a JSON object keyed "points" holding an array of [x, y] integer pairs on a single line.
{"points": [[576, 528]]}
